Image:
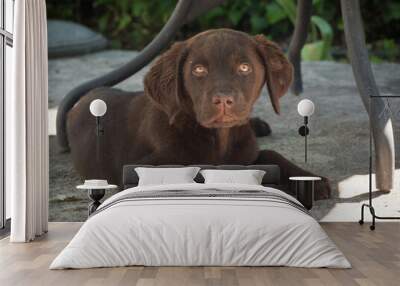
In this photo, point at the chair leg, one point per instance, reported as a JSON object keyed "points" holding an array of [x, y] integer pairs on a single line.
{"points": [[379, 116], [304, 10]]}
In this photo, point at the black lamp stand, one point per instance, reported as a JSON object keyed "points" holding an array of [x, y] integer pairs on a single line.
{"points": [[96, 194], [99, 133], [304, 131]]}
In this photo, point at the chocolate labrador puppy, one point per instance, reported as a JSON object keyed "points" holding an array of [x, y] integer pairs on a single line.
{"points": [[195, 109]]}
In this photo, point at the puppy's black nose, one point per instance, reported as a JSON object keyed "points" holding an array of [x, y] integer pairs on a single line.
{"points": [[225, 100]]}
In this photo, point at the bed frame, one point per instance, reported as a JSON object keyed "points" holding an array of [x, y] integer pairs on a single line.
{"points": [[272, 177]]}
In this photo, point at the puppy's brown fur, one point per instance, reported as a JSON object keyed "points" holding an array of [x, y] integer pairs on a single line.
{"points": [[195, 108]]}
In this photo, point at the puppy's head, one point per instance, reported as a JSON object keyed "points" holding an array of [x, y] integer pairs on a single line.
{"points": [[216, 76]]}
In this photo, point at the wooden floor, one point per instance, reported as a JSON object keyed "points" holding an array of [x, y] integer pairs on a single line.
{"points": [[375, 257]]}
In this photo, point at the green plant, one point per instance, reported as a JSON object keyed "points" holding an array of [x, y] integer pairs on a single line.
{"points": [[250, 15], [386, 49], [321, 33], [319, 49], [133, 24]]}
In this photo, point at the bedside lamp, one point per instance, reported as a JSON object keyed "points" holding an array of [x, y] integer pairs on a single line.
{"points": [[305, 108], [98, 108], [96, 188]]}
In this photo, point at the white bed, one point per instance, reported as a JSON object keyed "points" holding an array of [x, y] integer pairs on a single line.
{"points": [[268, 229]]}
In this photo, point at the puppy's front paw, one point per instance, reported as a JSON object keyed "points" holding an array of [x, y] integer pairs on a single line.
{"points": [[260, 127]]}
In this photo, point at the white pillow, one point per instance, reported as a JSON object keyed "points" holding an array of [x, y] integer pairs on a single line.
{"points": [[248, 177], [162, 176]]}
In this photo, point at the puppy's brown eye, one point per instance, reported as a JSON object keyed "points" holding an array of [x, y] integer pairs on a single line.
{"points": [[200, 70], [244, 68]]}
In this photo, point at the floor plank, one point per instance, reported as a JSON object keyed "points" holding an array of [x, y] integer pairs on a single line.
{"points": [[375, 257]]}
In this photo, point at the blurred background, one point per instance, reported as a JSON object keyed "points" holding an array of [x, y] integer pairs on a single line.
{"points": [[131, 24]]}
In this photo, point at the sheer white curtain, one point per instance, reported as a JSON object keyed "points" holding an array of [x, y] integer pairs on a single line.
{"points": [[26, 124]]}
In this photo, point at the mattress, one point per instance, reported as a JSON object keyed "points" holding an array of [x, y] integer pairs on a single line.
{"points": [[201, 225]]}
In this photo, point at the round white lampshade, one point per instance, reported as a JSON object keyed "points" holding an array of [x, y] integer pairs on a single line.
{"points": [[98, 107], [305, 107]]}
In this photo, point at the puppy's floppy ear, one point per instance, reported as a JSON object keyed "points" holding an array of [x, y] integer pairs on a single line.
{"points": [[163, 83], [278, 69]]}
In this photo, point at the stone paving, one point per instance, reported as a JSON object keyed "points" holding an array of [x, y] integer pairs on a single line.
{"points": [[338, 143]]}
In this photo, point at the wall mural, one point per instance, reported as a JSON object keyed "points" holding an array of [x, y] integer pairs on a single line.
{"points": [[221, 96]]}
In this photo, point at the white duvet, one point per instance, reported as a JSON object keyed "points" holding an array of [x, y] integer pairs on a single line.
{"points": [[200, 231]]}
